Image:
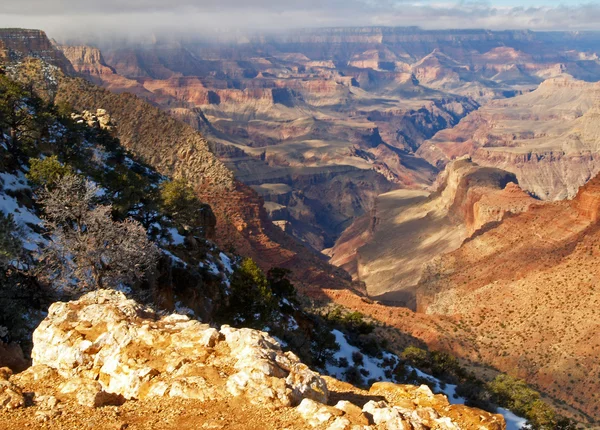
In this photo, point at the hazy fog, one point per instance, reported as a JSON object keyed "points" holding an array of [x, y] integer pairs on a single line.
{"points": [[64, 18]]}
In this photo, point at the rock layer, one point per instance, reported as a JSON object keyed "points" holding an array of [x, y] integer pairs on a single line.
{"points": [[388, 249], [549, 138]]}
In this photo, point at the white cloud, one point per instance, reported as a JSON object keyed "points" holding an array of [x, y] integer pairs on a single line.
{"points": [[61, 18]]}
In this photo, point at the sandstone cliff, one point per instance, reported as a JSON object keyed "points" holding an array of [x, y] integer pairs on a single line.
{"points": [[388, 248], [86, 60], [549, 138]]}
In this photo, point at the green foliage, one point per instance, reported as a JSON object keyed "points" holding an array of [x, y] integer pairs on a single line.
{"points": [[13, 300], [103, 138], [64, 109], [416, 356], [353, 376], [280, 284], [353, 322], [443, 363], [516, 395], [252, 301], [45, 173], [128, 189], [513, 393], [323, 345], [180, 202], [14, 115], [23, 116], [475, 393], [358, 358], [10, 242]]}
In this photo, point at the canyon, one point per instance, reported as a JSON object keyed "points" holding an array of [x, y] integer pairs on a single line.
{"points": [[344, 132], [430, 167], [388, 248], [320, 115]]}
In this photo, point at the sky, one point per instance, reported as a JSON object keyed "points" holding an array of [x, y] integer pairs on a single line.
{"points": [[65, 18]]}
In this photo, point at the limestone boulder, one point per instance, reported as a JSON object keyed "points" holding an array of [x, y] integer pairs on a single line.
{"points": [[129, 350]]}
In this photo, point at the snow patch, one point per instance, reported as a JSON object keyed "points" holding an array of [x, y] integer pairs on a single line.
{"points": [[176, 238], [513, 422], [374, 366]]}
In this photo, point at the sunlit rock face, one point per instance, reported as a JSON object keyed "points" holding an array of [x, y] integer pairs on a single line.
{"points": [[108, 349], [389, 248], [134, 353]]}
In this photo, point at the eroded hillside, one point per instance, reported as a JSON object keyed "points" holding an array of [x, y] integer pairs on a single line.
{"points": [[527, 292], [388, 248], [548, 138]]}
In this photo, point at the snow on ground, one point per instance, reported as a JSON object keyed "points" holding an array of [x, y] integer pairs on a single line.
{"points": [[376, 369], [436, 386], [213, 268], [282, 343], [373, 365], [226, 262], [174, 259], [176, 238], [12, 182], [23, 216], [513, 422]]}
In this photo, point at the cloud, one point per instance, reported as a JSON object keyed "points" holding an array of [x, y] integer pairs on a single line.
{"points": [[66, 18]]}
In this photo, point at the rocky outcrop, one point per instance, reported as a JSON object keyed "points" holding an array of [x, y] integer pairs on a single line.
{"points": [[494, 207], [100, 119], [104, 344], [104, 349], [11, 396], [421, 408], [587, 201]]}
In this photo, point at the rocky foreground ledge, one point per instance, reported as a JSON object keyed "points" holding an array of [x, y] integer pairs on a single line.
{"points": [[130, 367]]}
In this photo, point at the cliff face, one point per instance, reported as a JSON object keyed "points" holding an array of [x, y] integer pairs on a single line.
{"points": [[17, 43], [406, 229], [587, 201], [86, 60], [549, 138], [537, 271]]}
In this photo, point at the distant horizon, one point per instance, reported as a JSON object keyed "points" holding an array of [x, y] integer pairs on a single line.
{"points": [[140, 37], [72, 18]]}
